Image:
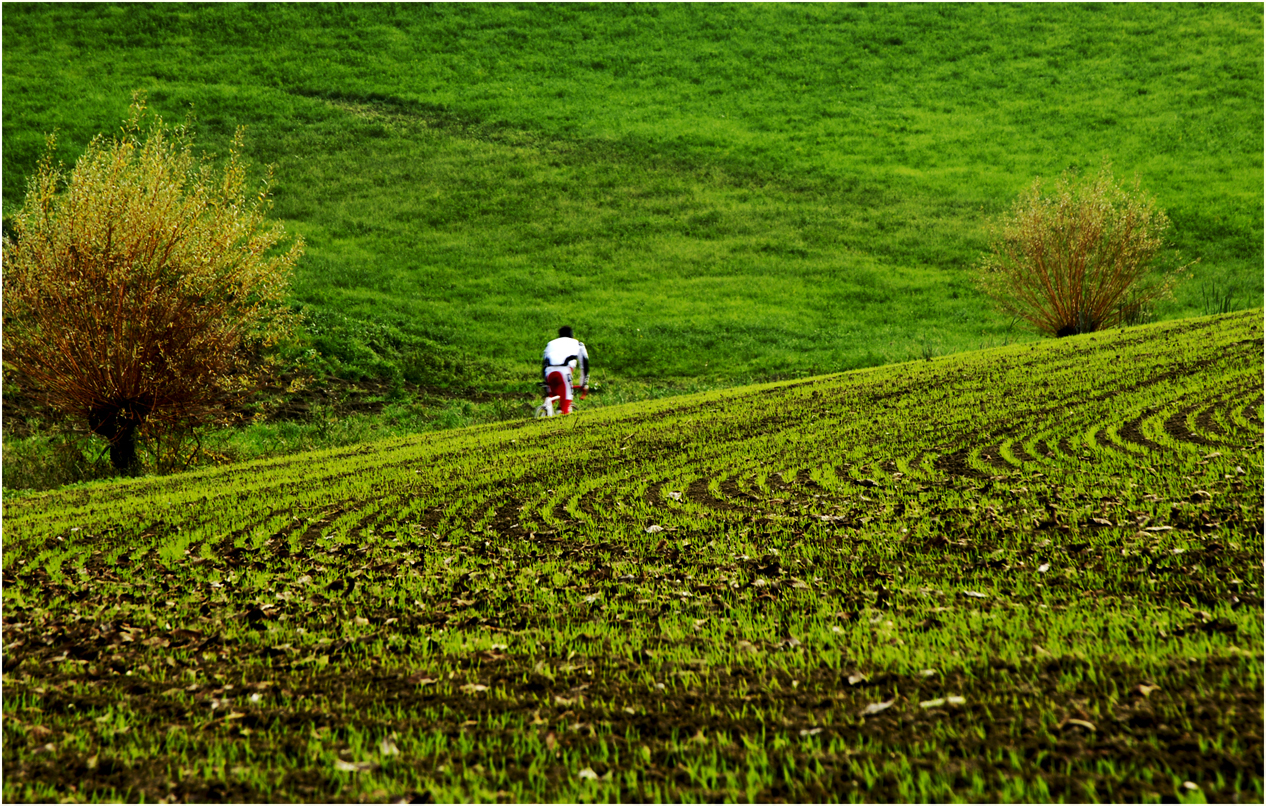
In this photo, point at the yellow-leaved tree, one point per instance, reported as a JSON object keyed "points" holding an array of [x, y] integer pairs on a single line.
{"points": [[141, 287]]}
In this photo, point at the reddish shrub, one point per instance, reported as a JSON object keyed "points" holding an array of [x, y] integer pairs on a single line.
{"points": [[1080, 258]]}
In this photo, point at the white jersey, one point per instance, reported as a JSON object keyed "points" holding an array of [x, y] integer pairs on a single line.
{"points": [[566, 353]]}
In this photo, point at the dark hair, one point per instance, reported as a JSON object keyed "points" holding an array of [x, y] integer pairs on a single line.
{"points": [[565, 330]]}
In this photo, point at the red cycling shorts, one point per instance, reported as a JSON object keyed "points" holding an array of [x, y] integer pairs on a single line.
{"points": [[559, 384]]}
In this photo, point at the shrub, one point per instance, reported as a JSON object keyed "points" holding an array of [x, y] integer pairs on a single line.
{"points": [[140, 289], [1080, 258]]}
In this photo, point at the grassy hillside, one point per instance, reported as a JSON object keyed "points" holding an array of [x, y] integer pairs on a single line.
{"points": [[707, 191], [1026, 574]]}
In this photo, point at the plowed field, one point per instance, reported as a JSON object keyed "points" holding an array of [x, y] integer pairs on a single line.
{"points": [[1031, 573]]}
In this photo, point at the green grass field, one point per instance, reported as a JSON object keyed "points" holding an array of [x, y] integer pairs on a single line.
{"points": [[718, 192], [1030, 573]]}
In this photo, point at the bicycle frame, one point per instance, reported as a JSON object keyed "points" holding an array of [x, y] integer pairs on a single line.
{"points": [[546, 409]]}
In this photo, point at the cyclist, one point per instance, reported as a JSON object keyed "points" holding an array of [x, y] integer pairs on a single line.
{"points": [[563, 357]]}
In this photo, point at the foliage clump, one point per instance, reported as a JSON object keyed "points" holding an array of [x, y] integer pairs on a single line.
{"points": [[1080, 257], [141, 288]]}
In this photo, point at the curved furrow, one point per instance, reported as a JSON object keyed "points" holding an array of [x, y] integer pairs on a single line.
{"points": [[1227, 416], [1016, 455], [723, 495], [1195, 424], [1210, 421], [745, 489], [1250, 416], [599, 502], [988, 461], [705, 492], [1129, 435], [676, 496]]}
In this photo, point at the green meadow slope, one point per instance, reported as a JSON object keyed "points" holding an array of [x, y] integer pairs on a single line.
{"points": [[1030, 573], [705, 191]]}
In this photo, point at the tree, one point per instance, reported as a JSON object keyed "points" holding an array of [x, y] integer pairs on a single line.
{"points": [[1080, 258], [140, 289]]}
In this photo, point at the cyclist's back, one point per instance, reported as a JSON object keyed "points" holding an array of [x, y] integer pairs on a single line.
{"points": [[563, 357]]}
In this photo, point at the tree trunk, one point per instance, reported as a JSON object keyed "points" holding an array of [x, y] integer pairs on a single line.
{"points": [[123, 449], [118, 425]]}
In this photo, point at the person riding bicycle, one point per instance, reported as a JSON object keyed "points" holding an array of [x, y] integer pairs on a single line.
{"points": [[563, 356]]}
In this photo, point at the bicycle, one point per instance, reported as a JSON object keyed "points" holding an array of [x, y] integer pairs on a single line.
{"points": [[546, 409]]}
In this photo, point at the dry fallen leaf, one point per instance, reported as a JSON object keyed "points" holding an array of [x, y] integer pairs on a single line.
{"points": [[1081, 723], [942, 701], [588, 774], [354, 766], [876, 707]]}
